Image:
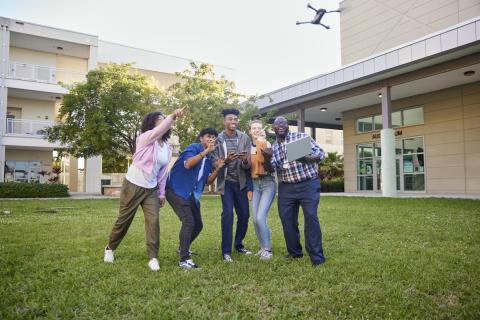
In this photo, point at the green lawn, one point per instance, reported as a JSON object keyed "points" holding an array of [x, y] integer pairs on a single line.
{"points": [[386, 258]]}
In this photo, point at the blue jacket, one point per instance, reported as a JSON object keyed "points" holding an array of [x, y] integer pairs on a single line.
{"points": [[184, 182]]}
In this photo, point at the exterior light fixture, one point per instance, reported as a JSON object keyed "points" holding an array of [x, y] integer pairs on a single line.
{"points": [[323, 109], [338, 119], [469, 73], [59, 48], [58, 98], [380, 95]]}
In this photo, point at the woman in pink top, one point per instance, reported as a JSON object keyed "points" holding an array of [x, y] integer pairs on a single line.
{"points": [[144, 184]]}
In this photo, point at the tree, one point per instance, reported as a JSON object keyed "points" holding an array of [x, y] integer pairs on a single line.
{"points": [[204, 98], [102, 115]]}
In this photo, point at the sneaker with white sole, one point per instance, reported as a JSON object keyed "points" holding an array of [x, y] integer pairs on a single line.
{"points": [[259, 253], [227, 258], [188, 264], [243, 251], [267, 254], [153, 264], [108, 255]]}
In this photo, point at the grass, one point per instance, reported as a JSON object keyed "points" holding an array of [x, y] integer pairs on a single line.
{"points": [[386, 258]]}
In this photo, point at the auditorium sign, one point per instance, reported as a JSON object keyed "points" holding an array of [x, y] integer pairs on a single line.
{"points": [[377, 135]]}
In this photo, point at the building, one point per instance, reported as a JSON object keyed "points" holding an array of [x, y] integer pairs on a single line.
{"points": [[407, 97], [33, 60]]}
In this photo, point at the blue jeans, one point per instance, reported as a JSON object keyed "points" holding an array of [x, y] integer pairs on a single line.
{"points": [[290, 197], [264, 189], [233, 197]]}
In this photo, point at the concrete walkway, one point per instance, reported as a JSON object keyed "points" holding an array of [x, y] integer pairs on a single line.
{"points": [[88, 196]]}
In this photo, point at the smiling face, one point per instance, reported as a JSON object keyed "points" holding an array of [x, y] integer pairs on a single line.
{"points": [[256, 130], [230, 122], [280, 126], [206, 139]]}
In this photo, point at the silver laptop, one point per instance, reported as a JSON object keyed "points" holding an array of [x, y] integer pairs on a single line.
{"points": [[298, 148]]}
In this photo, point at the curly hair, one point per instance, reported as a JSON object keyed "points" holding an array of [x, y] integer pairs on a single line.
{"points": [[148, 123]]}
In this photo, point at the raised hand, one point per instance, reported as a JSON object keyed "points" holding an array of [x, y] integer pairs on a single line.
{"points": [[178, 113]]}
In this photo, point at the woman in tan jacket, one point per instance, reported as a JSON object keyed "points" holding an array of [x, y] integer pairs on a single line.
{"points": [[264, 188]]}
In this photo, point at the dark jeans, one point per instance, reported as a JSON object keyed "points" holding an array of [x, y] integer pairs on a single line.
{"points": [[189, 213], [233, 197], [290, 197]]}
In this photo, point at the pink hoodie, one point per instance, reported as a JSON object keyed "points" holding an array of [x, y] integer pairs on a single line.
{"points": [[146, 149]]}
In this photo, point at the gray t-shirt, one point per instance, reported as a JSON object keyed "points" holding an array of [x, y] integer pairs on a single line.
{"points": [[232, 146]]}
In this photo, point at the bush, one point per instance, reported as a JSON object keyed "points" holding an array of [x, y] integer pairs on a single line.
{"points": [[32, 190], [333, 185]]}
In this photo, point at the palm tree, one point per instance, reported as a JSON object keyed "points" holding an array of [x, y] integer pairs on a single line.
{"points": [[331, 166]]}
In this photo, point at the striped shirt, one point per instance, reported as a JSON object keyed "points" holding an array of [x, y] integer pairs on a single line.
{"points": [[294, 171], [232, 146]]}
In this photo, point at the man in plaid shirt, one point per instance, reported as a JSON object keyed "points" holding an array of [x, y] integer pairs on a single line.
{"points": [[299, 185]]}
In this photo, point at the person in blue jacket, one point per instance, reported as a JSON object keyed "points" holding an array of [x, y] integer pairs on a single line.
{"points": [[193, 169]]}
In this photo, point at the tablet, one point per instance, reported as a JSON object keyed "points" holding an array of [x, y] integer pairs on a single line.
{"points": [[298, 148]]}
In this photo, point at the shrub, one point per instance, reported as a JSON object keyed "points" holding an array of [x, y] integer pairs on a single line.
{"points": [[32, 190], [333, 185]]}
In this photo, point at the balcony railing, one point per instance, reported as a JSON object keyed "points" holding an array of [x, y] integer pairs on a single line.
{"points": [[27, 127], [31, 72]]}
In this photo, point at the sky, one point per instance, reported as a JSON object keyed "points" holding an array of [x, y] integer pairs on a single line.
{"points": [[257, 38]]}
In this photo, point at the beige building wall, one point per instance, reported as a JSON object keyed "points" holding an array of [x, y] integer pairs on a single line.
{"points": [[372, 26], [33, 57], [330, 140], [33, 109], [451, 132], [69, 69], [161, 80], [31, 155]]}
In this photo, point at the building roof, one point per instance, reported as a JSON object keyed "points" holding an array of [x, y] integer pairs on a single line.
{"points": [[344, 85]]}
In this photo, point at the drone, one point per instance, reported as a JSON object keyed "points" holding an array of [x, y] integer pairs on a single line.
{"points": [[319, 13]]}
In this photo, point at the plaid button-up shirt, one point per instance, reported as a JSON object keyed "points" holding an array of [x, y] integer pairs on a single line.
{"points": [[295, 171]]}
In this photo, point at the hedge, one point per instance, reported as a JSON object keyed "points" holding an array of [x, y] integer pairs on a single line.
{"points": [[32, 190], [334, 185]]}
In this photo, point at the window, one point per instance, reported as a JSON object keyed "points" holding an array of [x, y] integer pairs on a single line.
{"points": [[412, 116], [377, 122], [413, 164], [402, 118], [365, 167], [396, 119], [409, 168], [364, 124], [22, 171]]}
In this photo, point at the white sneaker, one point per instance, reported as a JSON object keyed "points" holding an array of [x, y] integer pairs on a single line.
{"points": [[153, 264], [188, 264], [108, 255], [227, 258], [267, 254], [259, 253]]}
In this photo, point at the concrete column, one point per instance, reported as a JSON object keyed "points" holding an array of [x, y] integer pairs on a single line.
{"points": [[93, 57], [388, 176], [4, 67], [93, 175], [301, 120], [314, 133], [73, 180], [2, 163]]}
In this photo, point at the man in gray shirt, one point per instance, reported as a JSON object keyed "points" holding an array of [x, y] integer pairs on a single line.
{"points": [[233, 146]]}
